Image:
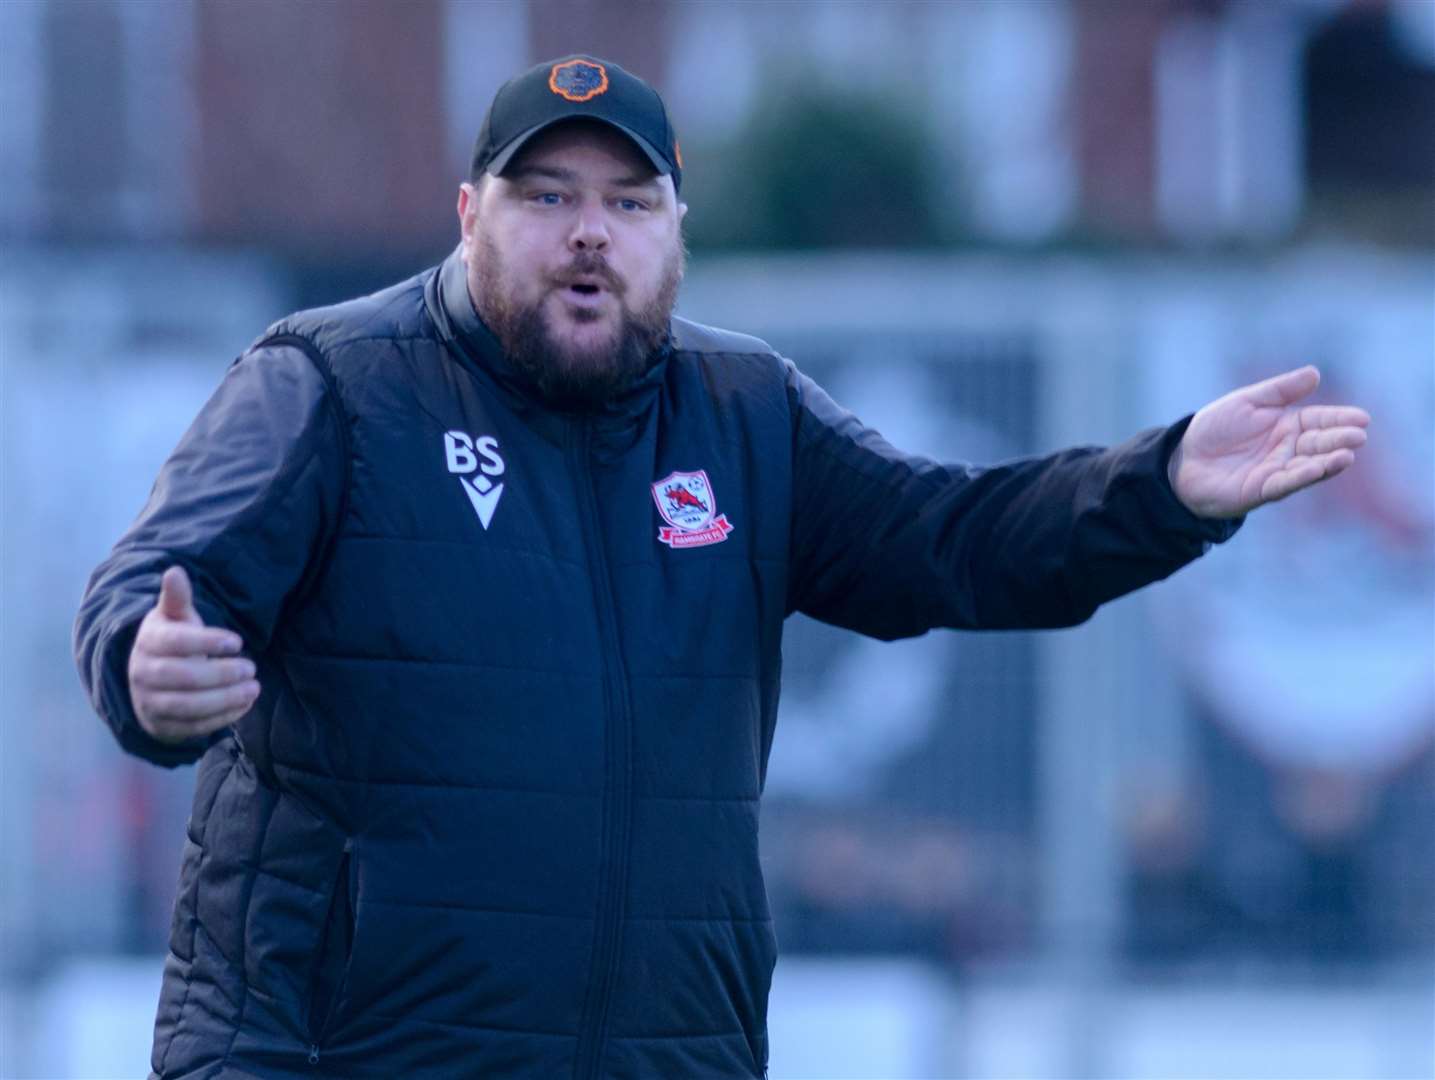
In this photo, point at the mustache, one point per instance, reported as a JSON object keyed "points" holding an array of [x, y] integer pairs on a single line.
{"points": [[588, 265]]}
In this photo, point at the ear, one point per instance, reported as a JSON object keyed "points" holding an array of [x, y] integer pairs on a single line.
{"points": [[468, 200], [467, 203], [682, 211]]}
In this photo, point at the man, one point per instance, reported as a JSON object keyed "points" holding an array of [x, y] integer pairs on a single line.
{"points": [[468, 597]]}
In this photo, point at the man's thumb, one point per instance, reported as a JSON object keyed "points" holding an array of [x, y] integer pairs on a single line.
{"points": [[176, 598]]}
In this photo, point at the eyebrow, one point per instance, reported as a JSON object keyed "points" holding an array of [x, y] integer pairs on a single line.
{"points": [[542, 170], [553, 172], [636, 180]]}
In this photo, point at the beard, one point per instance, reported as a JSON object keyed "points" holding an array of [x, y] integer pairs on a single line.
{"points": [[569, 376]]}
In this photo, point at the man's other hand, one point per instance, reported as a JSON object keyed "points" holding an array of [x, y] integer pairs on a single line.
{"points": [[1259, 444], [187, 679]]}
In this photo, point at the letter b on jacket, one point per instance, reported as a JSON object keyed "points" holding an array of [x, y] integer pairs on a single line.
{"points": [[459, 450]]}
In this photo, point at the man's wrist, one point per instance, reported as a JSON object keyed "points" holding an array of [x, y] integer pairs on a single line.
{"points": [[1173, 466], [1210, 529]]}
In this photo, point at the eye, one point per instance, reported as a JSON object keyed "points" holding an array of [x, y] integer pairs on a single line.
{"points": [[547, 198], [631, 206]]}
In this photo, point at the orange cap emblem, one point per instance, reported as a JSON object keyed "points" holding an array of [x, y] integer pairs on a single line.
{"points": [[578, 80]]}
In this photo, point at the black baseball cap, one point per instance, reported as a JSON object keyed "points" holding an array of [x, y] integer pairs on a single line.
{"points": [[575, 86]]}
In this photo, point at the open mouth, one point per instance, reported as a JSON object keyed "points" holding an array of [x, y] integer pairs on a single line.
{"points": [[585, 290]]}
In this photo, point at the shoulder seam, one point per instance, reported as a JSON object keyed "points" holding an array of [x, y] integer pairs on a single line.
{"points": [[335, 403], [354, 319], [347, 341], [726, 352]]}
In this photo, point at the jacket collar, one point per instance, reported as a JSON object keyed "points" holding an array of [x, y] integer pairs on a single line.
{"points": [[448, 302], [473, 343]]}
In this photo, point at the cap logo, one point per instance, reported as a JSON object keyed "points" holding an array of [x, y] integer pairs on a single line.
{"points": [[578, 80]]}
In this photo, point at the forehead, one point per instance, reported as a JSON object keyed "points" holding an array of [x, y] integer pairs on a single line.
{"points": [[576, 143]]}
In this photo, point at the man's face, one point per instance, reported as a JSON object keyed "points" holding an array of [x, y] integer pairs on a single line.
{"points": [[573, 260]]}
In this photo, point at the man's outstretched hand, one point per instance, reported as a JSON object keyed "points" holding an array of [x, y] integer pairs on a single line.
{"points": [[1259, 444], [187, 679]]}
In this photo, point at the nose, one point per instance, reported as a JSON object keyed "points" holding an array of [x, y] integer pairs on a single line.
{"points": [[590, 229]]}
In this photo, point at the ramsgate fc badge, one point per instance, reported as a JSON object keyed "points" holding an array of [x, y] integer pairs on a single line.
{"points": [[578, 80], [685, 499]]}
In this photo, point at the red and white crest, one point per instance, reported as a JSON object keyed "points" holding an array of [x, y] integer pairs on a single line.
{"points": [[685, 499]]}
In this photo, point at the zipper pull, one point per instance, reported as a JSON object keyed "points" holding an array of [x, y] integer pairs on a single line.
{"points": [[314, 1054]]}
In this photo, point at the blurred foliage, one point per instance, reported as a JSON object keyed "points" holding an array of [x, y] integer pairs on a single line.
{"points": [[817, 168]]}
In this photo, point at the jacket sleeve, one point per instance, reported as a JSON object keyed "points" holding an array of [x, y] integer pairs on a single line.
{"points": [[246, 504], [893, 545]]}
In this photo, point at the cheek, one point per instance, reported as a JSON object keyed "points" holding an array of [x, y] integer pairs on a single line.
{"points": [[657, 253], [525, 272]]}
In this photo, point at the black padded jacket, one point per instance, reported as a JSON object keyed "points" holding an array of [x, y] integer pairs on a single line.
{"points": [[495, 812]]}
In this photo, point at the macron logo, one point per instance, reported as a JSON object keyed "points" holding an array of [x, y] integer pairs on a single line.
{"points": [[463, 455]]}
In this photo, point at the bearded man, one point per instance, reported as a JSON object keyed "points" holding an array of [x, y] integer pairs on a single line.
{"points": [[468, 596]]}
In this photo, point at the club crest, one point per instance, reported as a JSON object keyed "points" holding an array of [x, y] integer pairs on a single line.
{"points": [[578, 80], [685, 499]]}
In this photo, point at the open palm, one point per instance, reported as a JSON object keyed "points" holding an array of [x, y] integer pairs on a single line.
{"points": [[1259, 444]]}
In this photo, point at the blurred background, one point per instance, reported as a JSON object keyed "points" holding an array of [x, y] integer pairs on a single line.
{"points": [[1192, 838]]}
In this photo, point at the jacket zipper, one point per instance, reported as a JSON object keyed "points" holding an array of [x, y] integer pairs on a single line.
{"points": [[318, 1025], [617, 786]]}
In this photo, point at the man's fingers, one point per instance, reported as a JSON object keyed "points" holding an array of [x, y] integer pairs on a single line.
{"points": [[1284, 389], [1332, 416], [189, 672], [165, 706], [1304, 471], [176, 598], [175, 731], [1323, 441], [186, 679], [163, 638], [223, 720]]}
